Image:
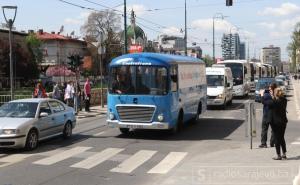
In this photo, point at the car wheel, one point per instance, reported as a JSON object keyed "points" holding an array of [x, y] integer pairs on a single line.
{"points": [[67, 133], [31, 140], [124, 130]]}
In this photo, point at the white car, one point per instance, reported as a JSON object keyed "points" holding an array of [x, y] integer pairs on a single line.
{"points": [[23, 123]]}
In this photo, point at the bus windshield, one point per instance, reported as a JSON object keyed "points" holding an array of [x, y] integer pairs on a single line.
{"points": [[237, 72], [215, 80], [142, 80]]}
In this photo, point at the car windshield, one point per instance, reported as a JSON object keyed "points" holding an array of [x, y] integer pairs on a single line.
{"points": [[215, 80], [143, 80], [263, 85], [18, 110], [280, 83]]}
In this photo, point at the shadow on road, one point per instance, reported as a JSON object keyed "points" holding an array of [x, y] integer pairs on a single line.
{"points": [[205, 129]]}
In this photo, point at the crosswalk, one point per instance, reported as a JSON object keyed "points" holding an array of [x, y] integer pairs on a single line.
{"points": [[296, 142], [91, 159]]}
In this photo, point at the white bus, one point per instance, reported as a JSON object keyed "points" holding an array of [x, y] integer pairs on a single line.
{"points": [[241, 76]]}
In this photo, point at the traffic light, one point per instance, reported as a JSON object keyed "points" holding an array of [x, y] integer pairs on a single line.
{"points": [[75, 62], [229, 2]]}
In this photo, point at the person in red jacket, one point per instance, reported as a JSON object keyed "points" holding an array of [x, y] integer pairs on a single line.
{"points": [[39, 91]]}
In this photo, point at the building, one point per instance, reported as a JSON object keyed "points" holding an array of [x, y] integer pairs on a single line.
{"points": [[56, 48], [170, 44], [271, 55], [231, 46], [242, 51]]}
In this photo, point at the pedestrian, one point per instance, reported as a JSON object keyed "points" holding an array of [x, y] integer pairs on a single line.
{"points": [[79, 97], [267, 116], [278, 105], [39, 91], [87, 94], [69, 94], [56, 94]]}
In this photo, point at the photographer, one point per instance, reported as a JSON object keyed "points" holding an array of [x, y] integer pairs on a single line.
{"points": [[267, 116]]}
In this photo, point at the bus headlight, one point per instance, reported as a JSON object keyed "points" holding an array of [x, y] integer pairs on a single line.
{"points": [[220, 96], [111, 116], [160, 117]]}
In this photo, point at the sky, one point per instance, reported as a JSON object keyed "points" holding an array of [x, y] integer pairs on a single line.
{"points": [[260, 23]]}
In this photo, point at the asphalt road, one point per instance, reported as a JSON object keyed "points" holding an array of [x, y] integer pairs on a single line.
{"points": [[97, 154]]}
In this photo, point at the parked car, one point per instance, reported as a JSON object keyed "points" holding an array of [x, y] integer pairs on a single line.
{"points": [[262, 84], [23, 123], [280, 83]]}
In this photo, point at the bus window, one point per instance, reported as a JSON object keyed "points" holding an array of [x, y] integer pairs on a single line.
{"points": [[174, 78]]}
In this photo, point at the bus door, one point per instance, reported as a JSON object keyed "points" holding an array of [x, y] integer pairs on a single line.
{"points": [[174, 91]]}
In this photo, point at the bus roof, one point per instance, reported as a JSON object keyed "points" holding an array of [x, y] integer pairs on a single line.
{"points": [[233, 61], [152, 59]]}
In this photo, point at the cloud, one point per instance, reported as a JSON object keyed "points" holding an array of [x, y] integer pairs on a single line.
{"points": [[207, 24], [73, 21], [172, 31], [277, 34], [284, 9], [267, 25], [79, 20]]}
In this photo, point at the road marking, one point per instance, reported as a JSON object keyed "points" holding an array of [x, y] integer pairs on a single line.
{"points": [[296, 143], [98, 134], [9, 160], [134, 161], [169, 162], [98, 158], [62, 156]]}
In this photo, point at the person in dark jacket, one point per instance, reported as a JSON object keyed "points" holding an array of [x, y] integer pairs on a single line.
{"points": [[279, 123], [266, 95]]}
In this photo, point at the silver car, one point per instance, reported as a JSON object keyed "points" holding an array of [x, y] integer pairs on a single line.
{"points": [[23, 123]]}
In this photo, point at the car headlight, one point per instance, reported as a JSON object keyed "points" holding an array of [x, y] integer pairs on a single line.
{"points": [[160, 117], [111, 116], [10, 131]]}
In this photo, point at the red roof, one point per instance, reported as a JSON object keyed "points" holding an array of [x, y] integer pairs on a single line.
{"points": [[51, 36]]}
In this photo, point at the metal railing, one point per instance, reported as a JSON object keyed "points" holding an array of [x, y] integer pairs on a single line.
{"points": [[7, 98]]}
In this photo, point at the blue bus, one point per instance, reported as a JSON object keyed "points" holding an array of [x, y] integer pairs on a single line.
{"points": [[155, 91]]}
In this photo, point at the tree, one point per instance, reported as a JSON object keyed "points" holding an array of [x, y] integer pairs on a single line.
{"points": [[294, 45], [208, 60], [24, 64], [34, 46], [105, 26]]}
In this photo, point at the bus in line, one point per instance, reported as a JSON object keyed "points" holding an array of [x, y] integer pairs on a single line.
{"points": [[241, 76], [155, 91]]}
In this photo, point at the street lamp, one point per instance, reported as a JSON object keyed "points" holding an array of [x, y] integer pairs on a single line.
{"points": [[10, 23], [185, 29], [216, 16]]}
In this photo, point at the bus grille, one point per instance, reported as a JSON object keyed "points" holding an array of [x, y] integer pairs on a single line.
{"points": [[135, 113]]}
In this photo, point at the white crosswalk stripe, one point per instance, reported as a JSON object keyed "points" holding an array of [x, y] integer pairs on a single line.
{"points": [[134, 161], [62, 156], [169, 162], [296, 143], [11, 159], [97, 158]]}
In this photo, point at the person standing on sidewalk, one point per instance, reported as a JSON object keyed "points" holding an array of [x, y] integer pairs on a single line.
{"points": [[266, 95], [87, 94], [279, 123], [56, 92], [39, 91], [69, 94]]}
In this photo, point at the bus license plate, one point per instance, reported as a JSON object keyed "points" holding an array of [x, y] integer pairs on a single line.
{"points": [[135, 126]]}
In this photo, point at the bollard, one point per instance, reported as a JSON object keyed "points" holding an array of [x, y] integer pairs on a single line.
{"points": [[250, 127]]}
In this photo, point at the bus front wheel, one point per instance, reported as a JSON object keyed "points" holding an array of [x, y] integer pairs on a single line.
{"points": [[178, 125], [124, 130]]}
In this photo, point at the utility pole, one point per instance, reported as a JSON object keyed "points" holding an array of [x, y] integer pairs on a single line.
{"points": [[185, 29], [125, 29]]}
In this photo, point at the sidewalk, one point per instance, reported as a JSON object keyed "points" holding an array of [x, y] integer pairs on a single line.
{"points": [[94, 111]]}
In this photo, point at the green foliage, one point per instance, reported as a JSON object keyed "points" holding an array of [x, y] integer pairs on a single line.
{"points": [[208, 60], [294, 45], [34, 46]]}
